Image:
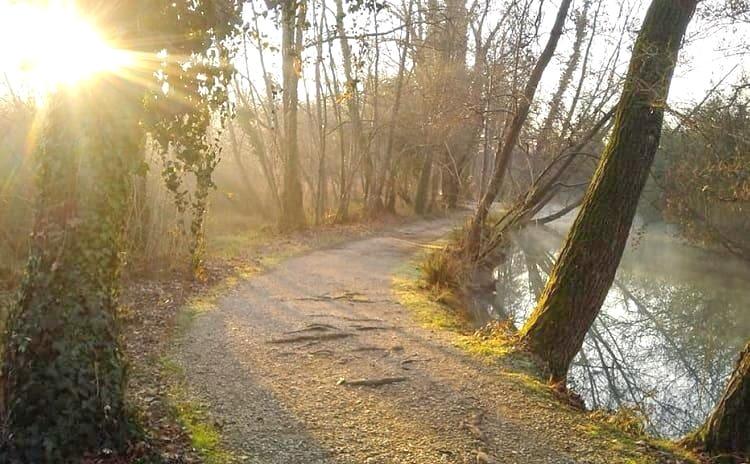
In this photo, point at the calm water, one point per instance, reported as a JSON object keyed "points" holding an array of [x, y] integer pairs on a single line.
{"points": [[667, 336]]}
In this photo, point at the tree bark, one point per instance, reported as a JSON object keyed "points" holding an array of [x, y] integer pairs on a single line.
{"points": [[727, 429], [292, 18], [584, 272], [423, 188]]}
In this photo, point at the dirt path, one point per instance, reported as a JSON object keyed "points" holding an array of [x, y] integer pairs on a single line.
{"points": [[280, 401]]}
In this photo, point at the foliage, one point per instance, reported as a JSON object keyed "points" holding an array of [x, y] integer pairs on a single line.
{"points": [[706, 179], [192, 105]]}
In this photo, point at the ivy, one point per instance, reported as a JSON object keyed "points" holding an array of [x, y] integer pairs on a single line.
{"points": [[191, 108], [63, 374]]}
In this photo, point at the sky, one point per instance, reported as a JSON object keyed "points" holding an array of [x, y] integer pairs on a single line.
{"points": [[711, 52]]}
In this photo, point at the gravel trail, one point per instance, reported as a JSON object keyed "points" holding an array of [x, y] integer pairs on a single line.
{"points": [[276, 359]]}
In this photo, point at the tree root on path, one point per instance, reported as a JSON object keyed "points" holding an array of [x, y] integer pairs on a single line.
{"points": [[305, 338], [353, 297], [322, 352], [371, 382], [405, 363], [370, 348], [347, 318], [314, 328], [363, 328]]}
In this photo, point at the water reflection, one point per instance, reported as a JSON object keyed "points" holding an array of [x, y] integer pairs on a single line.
{"points": [[667, 336]]}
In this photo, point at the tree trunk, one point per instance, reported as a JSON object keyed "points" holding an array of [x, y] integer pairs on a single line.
{"points": [[556, 104], [727, 429], [322, 120], [450, 184], [376, 200], [292, 17], [582, 275], [353, 103], [502, 160], [63, 373], [423, 188]]}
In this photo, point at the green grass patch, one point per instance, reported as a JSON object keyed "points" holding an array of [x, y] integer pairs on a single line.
{"points": [[230, 245], [204, 435], [442, 309]]}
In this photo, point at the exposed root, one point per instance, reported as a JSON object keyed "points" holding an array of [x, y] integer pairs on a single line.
{"points": [[314, 328], [364, 328], [370, 348], [322, 352], [371, 382], [347, 318], [353, 297], [304, 338], [405, 363]]}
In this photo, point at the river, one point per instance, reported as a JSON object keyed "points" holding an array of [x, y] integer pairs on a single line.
{"points": [[668, 333]]}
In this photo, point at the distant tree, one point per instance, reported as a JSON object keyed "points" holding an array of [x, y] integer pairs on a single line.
{"points": [[584, 272], [292, 27], [506, 147], [705, 174]]}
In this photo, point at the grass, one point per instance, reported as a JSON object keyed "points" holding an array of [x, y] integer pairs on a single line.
{"points": [[440, 309], [619, 435], [204, 435]]}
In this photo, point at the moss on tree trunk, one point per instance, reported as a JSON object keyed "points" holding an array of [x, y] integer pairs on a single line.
{"points": [[727, 429], [584, 272]]}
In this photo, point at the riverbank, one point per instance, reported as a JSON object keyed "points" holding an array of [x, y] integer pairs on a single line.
{"points": [[606, 437]]}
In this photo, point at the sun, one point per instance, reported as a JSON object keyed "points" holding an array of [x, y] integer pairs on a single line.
{"points": [[52, 45]]}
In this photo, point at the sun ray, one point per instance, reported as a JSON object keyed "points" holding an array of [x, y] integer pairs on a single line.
{"points": [[52, 45]]}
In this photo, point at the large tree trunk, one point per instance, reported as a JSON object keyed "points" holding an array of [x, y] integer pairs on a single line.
{"points": [[292, 17], [63, 373], [727, 429], [582, 275], [505, 150]]}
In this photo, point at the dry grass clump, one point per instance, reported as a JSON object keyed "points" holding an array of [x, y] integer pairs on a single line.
{"points": [[442, 269]]}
